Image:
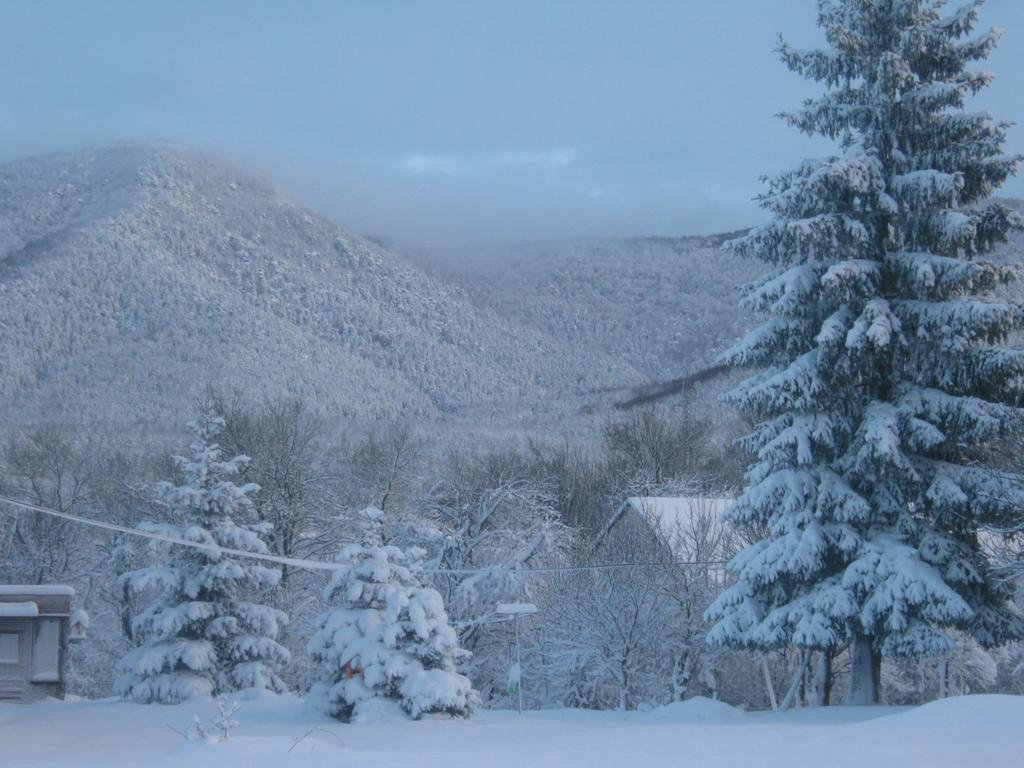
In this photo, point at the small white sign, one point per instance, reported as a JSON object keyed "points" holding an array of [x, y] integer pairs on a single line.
{"points": [[509, 609]]}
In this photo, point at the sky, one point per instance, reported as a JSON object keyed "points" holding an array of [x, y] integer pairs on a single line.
{"points": [[449, 122]]}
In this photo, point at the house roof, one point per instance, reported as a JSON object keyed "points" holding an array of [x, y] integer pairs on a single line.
{"points": [[46, 599], [671, 515], [35, 589], [25, 610]]}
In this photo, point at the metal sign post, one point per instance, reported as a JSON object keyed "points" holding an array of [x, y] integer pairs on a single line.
{"points": [[515, 610]]}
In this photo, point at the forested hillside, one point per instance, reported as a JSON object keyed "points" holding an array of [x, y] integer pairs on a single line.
{"points": [[664, 305], [133, 276]]}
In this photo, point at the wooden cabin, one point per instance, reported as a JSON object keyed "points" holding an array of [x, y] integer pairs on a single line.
{"points": [[34, 633]]}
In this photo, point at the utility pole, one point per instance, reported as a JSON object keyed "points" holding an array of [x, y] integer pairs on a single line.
{"points": [[515, 610]]}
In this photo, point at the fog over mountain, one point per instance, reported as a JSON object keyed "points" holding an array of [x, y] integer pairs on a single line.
{"points": [[665, 305], [133, 276]]}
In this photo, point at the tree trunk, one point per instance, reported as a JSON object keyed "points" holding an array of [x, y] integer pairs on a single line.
{"points": [[126, 613], [865, 673], [624, 687], [801, 700], [681, 672], [768, 683], [787, 700], [821, 681]]}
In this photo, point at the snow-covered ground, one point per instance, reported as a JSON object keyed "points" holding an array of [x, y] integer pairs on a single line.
{"points": [[971, 731]]}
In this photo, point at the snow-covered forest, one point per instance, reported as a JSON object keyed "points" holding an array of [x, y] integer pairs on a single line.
{"points": [[296, 475]]}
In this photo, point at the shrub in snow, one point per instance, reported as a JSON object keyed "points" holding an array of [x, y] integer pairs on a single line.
{"points": [[203, 634], [389, 637], [884, 374], [218, 729]]}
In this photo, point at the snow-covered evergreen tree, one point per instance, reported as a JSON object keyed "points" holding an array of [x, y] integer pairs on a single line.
{"points": [[884, 366], [389, 636], [205, 634]]}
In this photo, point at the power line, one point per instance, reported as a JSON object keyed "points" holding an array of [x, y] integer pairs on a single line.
{"points": [[324, 565], [318, 564]]}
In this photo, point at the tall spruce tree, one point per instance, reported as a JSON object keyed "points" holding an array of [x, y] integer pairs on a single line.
{"points": [[204, 634], [885, 373]]}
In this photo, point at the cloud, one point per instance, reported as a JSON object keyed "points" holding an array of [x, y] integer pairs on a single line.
{"points": [[552, 158], [446, 165], [613, 193], [466, 165]]}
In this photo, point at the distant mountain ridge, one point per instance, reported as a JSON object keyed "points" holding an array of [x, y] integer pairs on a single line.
{"points": [[132, 276], [664, 305]]}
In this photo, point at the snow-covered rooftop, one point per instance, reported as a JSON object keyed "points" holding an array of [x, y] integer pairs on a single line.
{"points": [[509, 609], [18, 610], [36, 589], [673, 514]]}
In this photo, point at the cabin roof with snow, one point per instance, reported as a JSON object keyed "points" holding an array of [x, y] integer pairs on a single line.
{"points": [[48, 599], [671, 514], [28, 609], [35, 589], [668, 516]]}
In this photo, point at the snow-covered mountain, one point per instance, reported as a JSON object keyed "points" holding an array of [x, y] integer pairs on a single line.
{"points": [[663, 305], [133, 276]]}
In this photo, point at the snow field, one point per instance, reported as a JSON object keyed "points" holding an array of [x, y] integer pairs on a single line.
{"points": [[952, 733]]}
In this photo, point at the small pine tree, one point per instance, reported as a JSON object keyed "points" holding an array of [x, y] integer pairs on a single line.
{"points": [[885, 371], [390, 637], [202, 636]]}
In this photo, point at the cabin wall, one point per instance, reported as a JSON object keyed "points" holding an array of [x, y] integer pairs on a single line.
{"points": [[16, 682], [14, 657]]}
